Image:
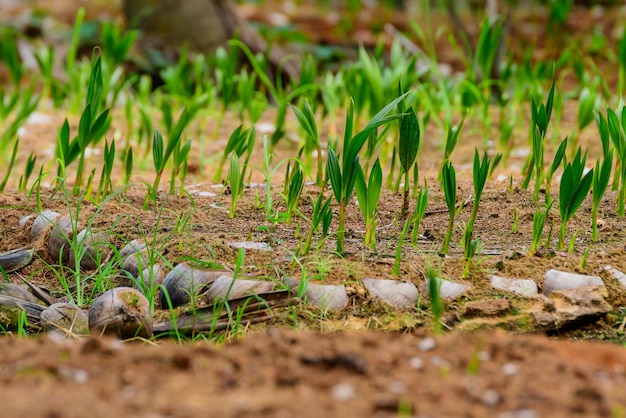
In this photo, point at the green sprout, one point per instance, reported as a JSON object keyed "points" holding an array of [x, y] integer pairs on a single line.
{"points": [[408, 146], [573, 190], [342, 177], [161, 156], [448, 175], [601, 176], [368, 195]]}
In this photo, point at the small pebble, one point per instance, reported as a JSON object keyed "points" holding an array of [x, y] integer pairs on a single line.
{"points": [[343, 391], [509, 369], [397, 387], [416, 363], [491, 397], [427, 344], [520, 413], [77, 375], [484, 355]]}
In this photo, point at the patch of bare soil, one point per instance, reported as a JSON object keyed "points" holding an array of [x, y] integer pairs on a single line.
{"points": [[283, 373]]}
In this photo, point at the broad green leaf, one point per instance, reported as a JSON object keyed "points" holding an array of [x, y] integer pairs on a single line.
{"points": [[360, 188], [84, 125], [601, 176], [542, 119], [614, 130], [176, 133], [409, 139], [157, 151], [580, 193], [449, 186], [99, 127], [374, 188], [550, 101], [566, 191], [558, 156], [234, 140], [480, 173], [334, 174], [234, 176], [603, 129]]}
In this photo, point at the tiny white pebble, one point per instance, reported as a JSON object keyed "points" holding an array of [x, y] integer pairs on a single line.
{"points": [[343, 391], [491, 397], [509, 369], [416, 363], [520, 413], [397, 387], [427, 344], [484, 355]]}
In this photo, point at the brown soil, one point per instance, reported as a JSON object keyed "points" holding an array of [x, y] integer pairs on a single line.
{"points": [[366, 360]]}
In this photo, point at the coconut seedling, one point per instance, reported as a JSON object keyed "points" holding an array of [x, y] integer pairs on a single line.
{"points": [[408, 145], [321, 216], [368, 195], [342, 177], [539, 221], [480, 173], [161, 156], [573, 190], [601, 176], [306, 119], [540, 116], [448, 175], [123, 312]]}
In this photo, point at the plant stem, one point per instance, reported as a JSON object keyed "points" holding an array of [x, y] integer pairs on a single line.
{"points": [[446, 240], [562, 235], [341, 230]]}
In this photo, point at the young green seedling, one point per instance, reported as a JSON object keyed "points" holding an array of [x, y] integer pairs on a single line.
{"points": [[237, 142], [573, 190], [235, 180], [556, 163], [368, 195], [480, 173], [294, 190], [161, 157], [453, 134], [601, 176], [321, 214], [342, 177], [539, 221], [104, 186], [540, 116], [28, 171], [405, 230], [306, 119], [408, 146], [448, 175]]}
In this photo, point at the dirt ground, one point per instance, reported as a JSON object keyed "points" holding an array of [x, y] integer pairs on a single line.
{"points": [[285, 373], [365, 360]]}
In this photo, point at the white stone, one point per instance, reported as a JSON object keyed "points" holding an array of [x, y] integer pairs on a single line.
{"points": [[560, 280], [251, 245], [393, 292], [343, 391], [522, 287], [447, 289]]}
